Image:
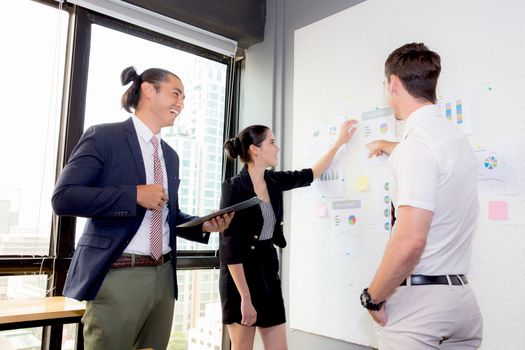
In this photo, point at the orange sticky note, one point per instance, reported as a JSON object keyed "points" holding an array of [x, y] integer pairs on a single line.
{"points": [[498, 210]]}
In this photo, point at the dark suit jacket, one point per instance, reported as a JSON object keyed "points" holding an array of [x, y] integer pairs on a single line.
{"points": [[99, 182], [247, 224]]}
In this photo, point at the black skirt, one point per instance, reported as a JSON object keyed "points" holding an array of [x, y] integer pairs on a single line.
{"points": [[261, 269]]}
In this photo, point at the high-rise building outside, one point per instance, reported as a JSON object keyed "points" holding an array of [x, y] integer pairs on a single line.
{"points": [[198, 139]]}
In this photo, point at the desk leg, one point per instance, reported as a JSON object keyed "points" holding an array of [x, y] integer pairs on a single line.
{"points": [[54, 333], [80, 336]]}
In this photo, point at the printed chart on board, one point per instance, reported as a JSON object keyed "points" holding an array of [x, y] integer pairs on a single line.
{"points": [[322, 135], [497, 168], [378, 124], [455, 107]]}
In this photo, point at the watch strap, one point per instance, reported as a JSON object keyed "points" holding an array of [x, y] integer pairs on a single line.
{"points": [[366, 301]]}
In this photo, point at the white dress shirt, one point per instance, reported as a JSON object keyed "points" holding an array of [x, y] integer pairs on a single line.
{"points": [[435, 169], [140, 242]]}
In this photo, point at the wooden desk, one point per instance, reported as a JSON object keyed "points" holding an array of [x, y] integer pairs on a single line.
{"points": [[54, 309], [29, 313]]}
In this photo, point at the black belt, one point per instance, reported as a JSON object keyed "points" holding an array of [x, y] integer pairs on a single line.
{"points": [[421, 280]]}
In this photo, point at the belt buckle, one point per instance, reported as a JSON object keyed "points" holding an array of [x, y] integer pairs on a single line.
{"points": [[161, 260], [459, 280]]}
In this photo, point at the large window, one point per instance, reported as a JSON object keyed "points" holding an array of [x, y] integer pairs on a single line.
{"points": [[198, 317], [41, 125], [111, 52], [32, 63]]}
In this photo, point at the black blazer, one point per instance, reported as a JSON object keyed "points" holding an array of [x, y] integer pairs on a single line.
{"points": [[247, 224], [99, 182]]}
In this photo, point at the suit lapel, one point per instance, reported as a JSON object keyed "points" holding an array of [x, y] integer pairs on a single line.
{"points": [[273, 192], [247, 191], [246, 183], [134, 146], [271, 185], [171, 162]]}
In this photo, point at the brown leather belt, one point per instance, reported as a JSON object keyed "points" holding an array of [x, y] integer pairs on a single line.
{"points": [[134, 260]]}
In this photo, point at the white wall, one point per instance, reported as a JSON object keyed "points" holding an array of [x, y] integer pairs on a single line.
{"points": [[257, 84], [267, 98], [339, 69]]}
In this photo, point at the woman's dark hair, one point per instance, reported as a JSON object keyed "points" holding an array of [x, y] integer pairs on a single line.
{"points": [[131, 97], [417, 67], [240, 145]]}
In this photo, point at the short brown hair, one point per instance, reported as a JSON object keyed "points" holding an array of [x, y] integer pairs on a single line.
{"points": [[418, 69]]}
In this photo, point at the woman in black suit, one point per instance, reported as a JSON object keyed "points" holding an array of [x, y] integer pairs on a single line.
{"points": [[249, 281]]}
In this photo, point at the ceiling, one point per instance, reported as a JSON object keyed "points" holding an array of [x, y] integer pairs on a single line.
{"points": [[239, 20]]}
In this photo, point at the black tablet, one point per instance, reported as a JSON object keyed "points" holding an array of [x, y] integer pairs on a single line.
{"points": [[236, 207]]}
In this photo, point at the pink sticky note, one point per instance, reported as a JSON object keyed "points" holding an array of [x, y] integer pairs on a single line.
{"points": [[498, 210], [321, 210]]}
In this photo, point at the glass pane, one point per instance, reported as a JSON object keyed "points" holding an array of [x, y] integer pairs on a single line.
{"points": [[22, 287], [69, 336], [198, 127], [32, 64], [197, 322], [24, 338]]}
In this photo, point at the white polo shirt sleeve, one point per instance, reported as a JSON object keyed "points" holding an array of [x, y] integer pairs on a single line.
{"points": [[416, 173]]}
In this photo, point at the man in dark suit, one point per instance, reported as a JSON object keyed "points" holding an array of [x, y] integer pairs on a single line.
{"points": [[124, 178]]}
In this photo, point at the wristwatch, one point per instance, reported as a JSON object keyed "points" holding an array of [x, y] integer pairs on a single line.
{"points": [[366, 301]]}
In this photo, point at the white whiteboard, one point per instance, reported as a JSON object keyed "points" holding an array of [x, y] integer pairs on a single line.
{"points": [[338, 71]]}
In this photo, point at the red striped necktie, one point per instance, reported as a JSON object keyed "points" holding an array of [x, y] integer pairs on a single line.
{"points": [[155, 239]]}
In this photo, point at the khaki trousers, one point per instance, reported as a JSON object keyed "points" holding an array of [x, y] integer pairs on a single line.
{"points": [[133, 310], [431, 317]]}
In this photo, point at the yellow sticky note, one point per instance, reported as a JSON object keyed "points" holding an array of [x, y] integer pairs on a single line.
{"points": [[361, 184]]}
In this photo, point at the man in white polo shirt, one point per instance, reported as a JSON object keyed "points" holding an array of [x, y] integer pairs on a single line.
{"points": [[420, 297]]}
